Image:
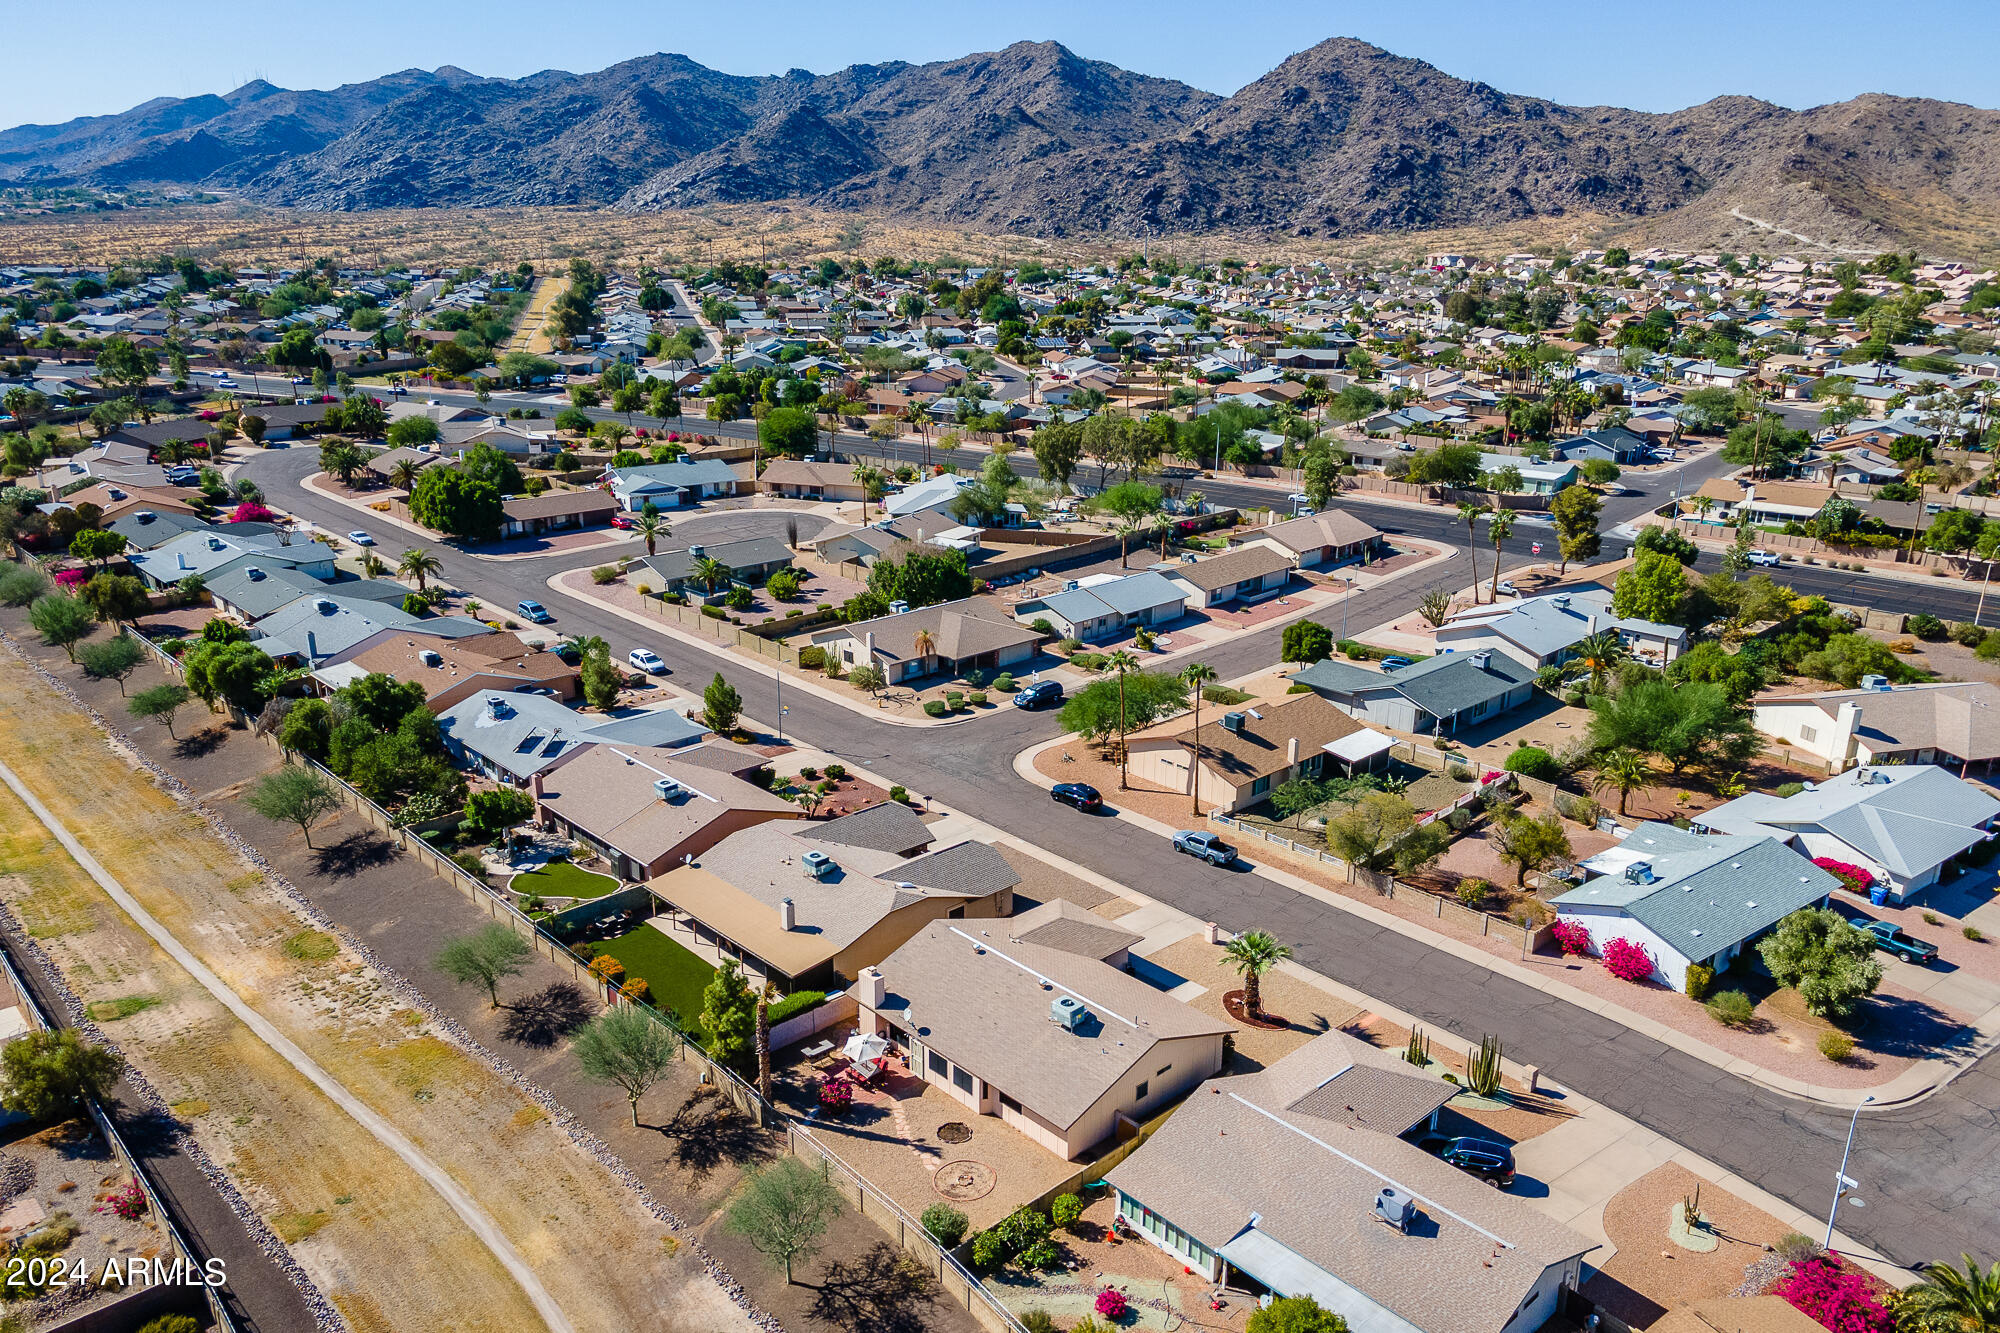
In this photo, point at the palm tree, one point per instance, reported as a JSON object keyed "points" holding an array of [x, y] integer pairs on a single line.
{"points": [[472, 606], [652, 527], [1470, 513], [925, 645], [1121, 664], [1197, 676], [764, 998], [420, 565], [403, 474], [1597, 654], [1949, 1300], [1251, 955], [872, 485], [586, 645], [1499, 528], [709, 572], [1624, 770]]}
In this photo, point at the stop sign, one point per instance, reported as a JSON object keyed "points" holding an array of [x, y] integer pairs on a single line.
{"points": [[1536, 549]]}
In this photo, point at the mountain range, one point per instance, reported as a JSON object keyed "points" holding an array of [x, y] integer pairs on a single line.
{"points": [[1339, 140]]}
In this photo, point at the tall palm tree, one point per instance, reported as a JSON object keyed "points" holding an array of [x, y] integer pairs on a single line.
{"points": [[403, 474], [1597, 654], [1198, 675], [1950, 1300], [1251, 955], [652, 527], [925, 645], [1121, 664], [1625, 771], [764, 998], [1470, 513], [872, 487], [1499, 528], [420, 565]]}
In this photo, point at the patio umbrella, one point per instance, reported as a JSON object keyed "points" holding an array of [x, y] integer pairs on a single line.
{"points": [[865, 1049]]}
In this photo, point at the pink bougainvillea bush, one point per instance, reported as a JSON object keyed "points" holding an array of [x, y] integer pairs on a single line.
{"points": [[1855, 879], [71, 578], [1572, 937], [1112, 1304], [1627, 961], [1842, 1301], [836, 1094], [251, 512]]}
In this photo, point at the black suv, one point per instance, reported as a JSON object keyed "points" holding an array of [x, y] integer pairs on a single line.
{"points": [[1079, 794], [1492, 1162], [1039, 695]]}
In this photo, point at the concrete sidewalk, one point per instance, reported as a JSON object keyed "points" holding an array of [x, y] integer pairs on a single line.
{"points": [[1917, 1081]]}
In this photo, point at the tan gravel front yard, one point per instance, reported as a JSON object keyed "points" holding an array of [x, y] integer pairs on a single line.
{"points": [[1650, 1274]]}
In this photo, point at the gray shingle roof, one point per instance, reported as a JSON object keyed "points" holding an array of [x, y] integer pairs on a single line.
{"points": [[1456, 683], [888, 827], [971, 868], [1907, 818]]}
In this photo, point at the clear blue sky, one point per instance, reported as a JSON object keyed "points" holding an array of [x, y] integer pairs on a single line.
{"points": [[72, 60]]}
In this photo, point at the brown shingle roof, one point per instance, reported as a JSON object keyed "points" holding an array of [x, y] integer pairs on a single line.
{"points": [[558, 504], [1262, 746], [1221, 571], [1331, 527]]}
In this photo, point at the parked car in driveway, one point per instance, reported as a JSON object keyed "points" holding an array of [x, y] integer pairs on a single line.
{"points": [[1506, 588], [1492, 1162], [646, 660], [624, 521], [1041, 694], [1394, 663], [1079, 794], [1892, 939], [1206, 846]]}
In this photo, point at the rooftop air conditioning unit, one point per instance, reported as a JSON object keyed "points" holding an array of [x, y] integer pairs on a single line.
{"points": [[1232, 722], [1483, 660], [431, 657], [666, 788], [1396, 1208], [496, 707], [1561, 601], [817, 864], [898, 608], [325, 606], [114, 492], [145, 516], [1875, 683], [254, 574], [697, 552], [1639, 872], [215, 543], [1068, 1012], [1071, 585]]}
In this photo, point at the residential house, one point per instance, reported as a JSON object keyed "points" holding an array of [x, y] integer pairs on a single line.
{"points": [[1904, 822], [1685, 898], [1324, 540], [510, 736], [672, 485], [1248, 574], [645, 809], [210, 551], [1025, 1020], [810, 904], [973, 633], [933, 493], [1536, 478], [1612, 444], [556, 511], [1441, 695], [1544, 631], [1107, 606], [1296, 1181], [803, 479], [1242, 754], [749, 561], [322, 628], [1949, 723], [453, 669]]}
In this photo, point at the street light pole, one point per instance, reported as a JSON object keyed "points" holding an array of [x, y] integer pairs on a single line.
{"points": [[1840, 1180]]}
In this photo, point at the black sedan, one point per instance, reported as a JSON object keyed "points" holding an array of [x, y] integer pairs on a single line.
{"points": [[1492, 1162], [1079, 794]]}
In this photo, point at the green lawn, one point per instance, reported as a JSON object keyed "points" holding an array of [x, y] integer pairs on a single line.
{"points": [[676, 977], [560, 879]]}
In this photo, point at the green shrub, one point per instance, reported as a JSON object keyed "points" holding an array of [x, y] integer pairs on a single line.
{"points": [[945, 1223], [1004, 683], [1574, 698], [812, 659], [1732, 1008], [1700, 977], [1066, 1210], [1068, 645], [1926, 627], [713, 612], [977, 698], [954, 699], [1788, 789], [1535, 762], [1835, 1045], [740, 599], [1296, 688], [836, 771], [899, 794], [1223, 695], [1356, 651], [604, 574], [1040, 1321], [989, 1251], [1973, 933], [935, 708], [1967, 634], [1472, 892], [1040, 625], [470, 863]]}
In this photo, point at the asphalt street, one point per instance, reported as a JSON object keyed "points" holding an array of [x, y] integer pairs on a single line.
{"points": [[1930, 1171]]}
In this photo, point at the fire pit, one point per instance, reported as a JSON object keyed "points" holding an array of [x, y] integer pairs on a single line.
{"points": [[954, 1131]]}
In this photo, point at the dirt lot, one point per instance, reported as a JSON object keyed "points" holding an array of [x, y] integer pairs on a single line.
{"points": [[1651, 1274], [686, 1152]]}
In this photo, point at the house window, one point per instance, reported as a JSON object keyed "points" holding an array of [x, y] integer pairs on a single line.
{"points": [[939, 1065], [1161, 1072], [1139, 1093], [1260, 786], [961, 1079], [1009, 1104], [1808, 734], [956, 914]]}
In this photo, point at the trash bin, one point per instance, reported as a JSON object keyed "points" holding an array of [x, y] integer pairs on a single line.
{"points": [[1878, 894]]}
